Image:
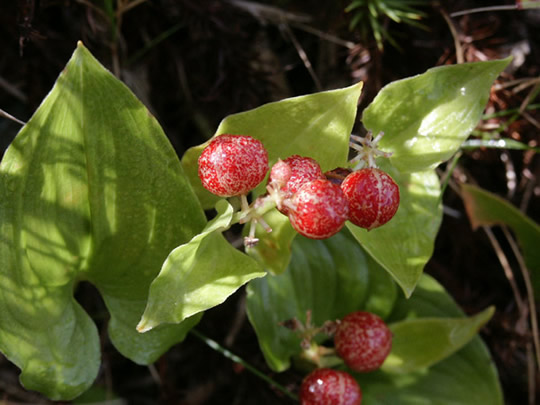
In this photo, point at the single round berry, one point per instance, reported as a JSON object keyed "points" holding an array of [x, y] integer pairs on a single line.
{"points": [[232, 165], [326, 386], [303, 169], [363, 341], [320, 209], [280, 173], [373, 197]]}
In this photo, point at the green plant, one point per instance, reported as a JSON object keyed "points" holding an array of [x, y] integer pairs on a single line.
{"points": [[91, 190], [369, 13]]}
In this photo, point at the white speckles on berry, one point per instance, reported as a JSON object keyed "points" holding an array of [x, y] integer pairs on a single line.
{"points": [[320, 209], [373, 197], [232, 165], [363, 341], [280, 174], [325, 386], [303, 169]]}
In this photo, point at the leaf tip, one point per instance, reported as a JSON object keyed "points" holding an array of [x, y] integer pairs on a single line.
{"points": [[406, 286], [80, 44], [407, 291], [507, 60], [489, 312], [144, 326]]}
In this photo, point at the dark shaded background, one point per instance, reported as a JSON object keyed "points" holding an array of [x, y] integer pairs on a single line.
{"points": [[194, 62]]}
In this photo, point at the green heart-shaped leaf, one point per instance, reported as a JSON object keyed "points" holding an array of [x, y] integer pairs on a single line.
{"points": [[90, 189], [334, 277], [198, 275], [405, 244], [304, 125], [426, 118], [329, 278], [422, 342], [467, 377]]}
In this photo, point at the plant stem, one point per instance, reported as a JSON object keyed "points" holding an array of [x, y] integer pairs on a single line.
{"points": [[254, 212], [217, 347]]}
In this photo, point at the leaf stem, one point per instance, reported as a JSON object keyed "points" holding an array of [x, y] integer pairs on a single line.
{"points": [[254, 212], [217, 347], [446, 177]]}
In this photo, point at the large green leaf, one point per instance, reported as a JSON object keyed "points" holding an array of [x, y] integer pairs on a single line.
{"points": [[405, 244], [328, 277], [305, 125], [426, 118], [486, 209], [468, 377], [422, 342], [198, 275], [427, 365], [90, 189]]}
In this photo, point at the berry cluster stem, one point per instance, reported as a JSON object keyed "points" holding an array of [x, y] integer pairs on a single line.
{"points": [[367, 149], [254, 214]]}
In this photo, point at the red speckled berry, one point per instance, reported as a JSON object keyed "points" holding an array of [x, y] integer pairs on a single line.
{"points": [[303, 169], [363, 341], [325, 386], [280, 173], [320, 209], [233, 165], [373, 197]]}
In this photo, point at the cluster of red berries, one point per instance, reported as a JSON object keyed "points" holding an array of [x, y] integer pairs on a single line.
{"points": [[363, 341], [317, 203]]}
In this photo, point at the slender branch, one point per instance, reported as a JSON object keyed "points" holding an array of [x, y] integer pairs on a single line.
{"points": [[485, 9], [129, 6], [93, 7], [530, 292], [265, 13], [323, 35], [531, 367], [230, 355], [11, 117], [154, 374], [457, 43], [506, 267], [522, 83], [302, 54], [445, 178]]}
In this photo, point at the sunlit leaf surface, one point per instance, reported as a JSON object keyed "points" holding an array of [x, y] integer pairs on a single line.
{"points": [[425, 118], [436, 358], [316, 125], [198, 275], [90, 189], [404, 245]]}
